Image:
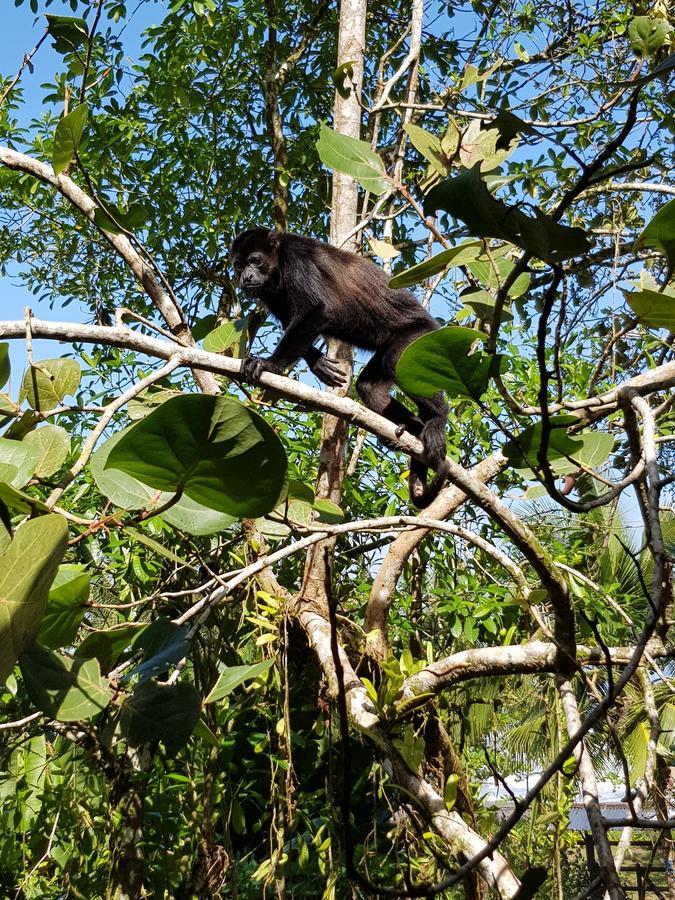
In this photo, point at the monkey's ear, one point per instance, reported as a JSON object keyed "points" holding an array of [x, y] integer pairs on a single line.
{"points": [[273, 237]]}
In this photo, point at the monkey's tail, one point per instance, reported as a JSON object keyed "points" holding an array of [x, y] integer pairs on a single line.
{"points": [[421, 493]]}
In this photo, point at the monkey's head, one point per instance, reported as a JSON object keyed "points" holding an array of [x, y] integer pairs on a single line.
{"points": [[255, 259]]}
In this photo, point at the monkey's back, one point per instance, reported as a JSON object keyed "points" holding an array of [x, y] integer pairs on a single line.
{"points": [[360, 307]]}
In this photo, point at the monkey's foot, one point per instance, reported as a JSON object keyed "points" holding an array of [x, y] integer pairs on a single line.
{"points": [[329, 372], [252, 368]]}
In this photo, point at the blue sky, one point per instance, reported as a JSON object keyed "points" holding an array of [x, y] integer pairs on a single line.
{"points": [[20, 30]]}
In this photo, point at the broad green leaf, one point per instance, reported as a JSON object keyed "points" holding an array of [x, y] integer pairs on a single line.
{"points": [[129, 493], [29, 764], [232, 676], [298, 490], [214, 449], [440, 361], [160, 712], [467, 198], [120, 221], [328, 511], [18, 500], [492, 271], [482, 305], [108, 644], [450, 792], [453, 256], [342, 78], [163, 644], [5, 367], [484, 146], [66, 606], [47, 382], [647, 35], [65, 688], [69, 32], [660, 233], [227, 335], [18, 462], [656, 310], [429, 145], [203, 326], [352, 157], [565, 451], [53, 444], [27, 569], [204, 733], [67, 137]]}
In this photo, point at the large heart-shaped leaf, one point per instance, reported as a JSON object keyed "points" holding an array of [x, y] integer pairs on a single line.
{"points": [[27, 569], [66, 606], [352, 157], [65, 688], [214, 450], [441, 361], [53, 444], [129, 493], [161, 712]]}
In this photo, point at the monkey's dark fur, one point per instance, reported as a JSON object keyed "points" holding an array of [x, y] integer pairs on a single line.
{"points": [[316, 290]]}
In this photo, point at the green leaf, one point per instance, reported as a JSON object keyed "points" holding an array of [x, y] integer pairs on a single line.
{"points": [[53, 444], [232, 676], [160, 712], [67, 137], [69, 32], [429, 145], [135, 535], [17, 462], [450, 792], [129, 493], [654, 309], [482, 305], [119, 222], [163, 644], [352, 157], [453, 256], [20, 501], [565, 451], [204, 733], [660, 233], [647, 35], [65, 688], [328, 511], [467, 198], [27, 569], [66, 606], [108, 643], [5, 368], [440, 361], [47, 382], [227, 335], [214, 449], [341, 75]]}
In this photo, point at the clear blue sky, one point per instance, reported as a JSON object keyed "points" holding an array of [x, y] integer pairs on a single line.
{"points": [[20, 30]]}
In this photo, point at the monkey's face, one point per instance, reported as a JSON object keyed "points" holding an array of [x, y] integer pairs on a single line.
{"points": [[254, 259]]}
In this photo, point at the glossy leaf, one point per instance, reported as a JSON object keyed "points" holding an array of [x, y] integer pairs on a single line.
{"points": [[65, 688], [160, 712], [453, 256], [27, 569], [441, 361], [352, 157], [69, 32], [654, 309], [467, 198], [67, 137], [128, 492], [227, 335], [232, 676], [213, 449], [565, 451], [53, 444], [108, 644], [46, 383], [18, 462], [66, 606], [659, 234]]}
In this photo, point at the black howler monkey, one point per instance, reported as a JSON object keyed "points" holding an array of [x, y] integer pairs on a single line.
{"points": [[316, 290]]}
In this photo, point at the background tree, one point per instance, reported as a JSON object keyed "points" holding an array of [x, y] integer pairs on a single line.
{"points": [[232, 661]]}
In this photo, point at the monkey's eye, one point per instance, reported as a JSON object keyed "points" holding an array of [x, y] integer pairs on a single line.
{"points": [[255, 260], [237, 266]]}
